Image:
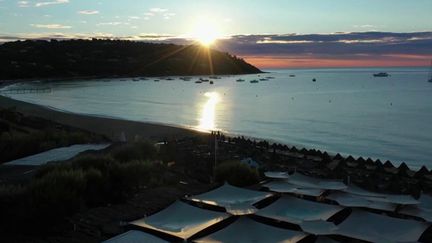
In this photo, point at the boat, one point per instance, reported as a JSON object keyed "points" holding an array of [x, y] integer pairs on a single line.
{"points": [[430, 73], [314, 80], [254, 81], [211, 82], [263, 79], [270, 77], [240, 80], [382, 74], [156, 80], [198, 81], [203, 80], [292, 75]]}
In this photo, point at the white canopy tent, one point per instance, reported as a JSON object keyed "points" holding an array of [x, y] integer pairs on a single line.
{"points": [[294, 210], [236, 200], [135, 236], [283, 186], [276, 175], [57, 154], [316, 183], [351, 200], [379, 228], [245, 229], [422, 210], [382, 197], [181, 220]]}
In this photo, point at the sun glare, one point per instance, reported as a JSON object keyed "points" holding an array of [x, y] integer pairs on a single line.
{"points": [[206, 32], [208, 113]]}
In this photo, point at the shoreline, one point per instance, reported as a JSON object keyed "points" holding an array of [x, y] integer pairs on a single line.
{"points": [[109, 127], [113, 127]]}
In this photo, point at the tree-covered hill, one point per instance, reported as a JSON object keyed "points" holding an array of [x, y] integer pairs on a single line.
{"points": [[79, 58]]}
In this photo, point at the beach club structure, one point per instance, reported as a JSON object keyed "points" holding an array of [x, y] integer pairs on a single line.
{"points": [[287, 208]]}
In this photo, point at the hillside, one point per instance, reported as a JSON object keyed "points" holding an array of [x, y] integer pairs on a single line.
{"points": [[104, 58]]}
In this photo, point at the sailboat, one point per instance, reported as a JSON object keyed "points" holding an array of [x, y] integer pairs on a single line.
{"points": [[430, 74]]}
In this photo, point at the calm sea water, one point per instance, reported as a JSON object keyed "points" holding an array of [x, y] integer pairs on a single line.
{"points": [[345, 110]]}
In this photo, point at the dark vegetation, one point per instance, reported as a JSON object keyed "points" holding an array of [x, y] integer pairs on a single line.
{"points": [[21, 135], [58, 190], [107, 58], [236, 174]]}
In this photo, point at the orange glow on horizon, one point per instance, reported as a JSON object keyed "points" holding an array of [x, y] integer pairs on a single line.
{"points": [[311, 62]]}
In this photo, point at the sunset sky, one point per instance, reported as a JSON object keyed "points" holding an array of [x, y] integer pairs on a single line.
{"points": [[274, 33]]}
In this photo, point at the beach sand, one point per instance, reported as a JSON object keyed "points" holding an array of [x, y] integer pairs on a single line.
{"points": [[109, 127]]}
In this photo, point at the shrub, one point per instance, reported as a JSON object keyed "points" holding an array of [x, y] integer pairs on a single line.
{"points": [[58, 193], [134, 151], [236, 173], [98, 162]]}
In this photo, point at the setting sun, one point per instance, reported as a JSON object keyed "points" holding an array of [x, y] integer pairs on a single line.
{"points": [[205, 31]]}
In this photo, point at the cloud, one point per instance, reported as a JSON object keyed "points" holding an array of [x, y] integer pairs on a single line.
{"points": [[168, 15], [112, 23], [51, 26], [296, 50], [158, 10], [54, 2], [88, 12], [23, 4]]}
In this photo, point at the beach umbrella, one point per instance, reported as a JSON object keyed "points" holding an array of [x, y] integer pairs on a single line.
{"points": [[388, 164], [423, 171], [338, 157]]}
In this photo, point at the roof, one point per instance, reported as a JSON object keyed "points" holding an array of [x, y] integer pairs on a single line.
{"points": [[235, 200], [181, 220], [135, 236], [283, 186], [352, 200], [316, 183], [379, 228], [382, 197], [422, 210], [245, 229], [294, 210], [57, 154], [276, 174]]}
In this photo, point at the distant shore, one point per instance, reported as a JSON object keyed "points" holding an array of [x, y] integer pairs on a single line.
{"points": [[109, 127]]}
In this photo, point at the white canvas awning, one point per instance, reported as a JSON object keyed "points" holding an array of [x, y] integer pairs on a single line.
{"points": [[57, 154], [380, 228], [351, 200], [276, 175], [422, 210], [235, 200], [135, 236], [248, 230], [382, 197], [283, 186], [181, 219], [294, 210], [317, 183]]}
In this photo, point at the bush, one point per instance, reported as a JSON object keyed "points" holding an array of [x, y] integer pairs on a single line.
{"points": [[58, 193], [134, 151], [98, 162], [236, 173]]}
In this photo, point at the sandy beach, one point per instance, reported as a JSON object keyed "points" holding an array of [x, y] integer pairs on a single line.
{"points": [[109, 127]]}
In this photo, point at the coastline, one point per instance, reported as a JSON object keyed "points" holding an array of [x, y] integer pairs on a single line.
{"points": [[114, 127], [109, 127]]}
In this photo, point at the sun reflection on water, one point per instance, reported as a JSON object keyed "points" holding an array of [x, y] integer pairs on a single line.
{"points": [[208, 113]]}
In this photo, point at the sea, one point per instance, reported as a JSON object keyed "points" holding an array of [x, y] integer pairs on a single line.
{"points": [[346, 110]]}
